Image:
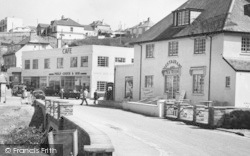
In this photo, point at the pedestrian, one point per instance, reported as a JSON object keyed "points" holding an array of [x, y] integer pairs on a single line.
{"points": [[84, 95], [62, 91], [25, 96], [95, 96]]}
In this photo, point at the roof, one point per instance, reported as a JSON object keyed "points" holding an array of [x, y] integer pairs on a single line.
{"points": [[43, 25], [216, 16], [239, 64], [147, 23], [98, 22], [66, 22], [88, 27]]}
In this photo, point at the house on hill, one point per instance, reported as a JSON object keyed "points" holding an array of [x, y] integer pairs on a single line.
{"points": [[202, 49]]}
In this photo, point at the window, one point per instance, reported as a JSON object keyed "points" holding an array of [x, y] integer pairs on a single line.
{"points": [[71, 29], [150, 50], [228, 82], [198, 83], [101, 85], [103, 61], [199, 45], [35, 64], [245, 45], [46, 63], [119, 59], [173, 48], [132, 60], [149, 81], [73, 62], [84, 61], [59, 62], [27, 64], [181, 17]]}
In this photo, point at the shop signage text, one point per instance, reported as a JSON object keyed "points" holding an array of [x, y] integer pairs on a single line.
{"points": [[67, 73], [67, 51], [171, 67]]}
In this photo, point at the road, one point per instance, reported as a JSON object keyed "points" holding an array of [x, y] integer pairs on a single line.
{"points": [[137, 135]]}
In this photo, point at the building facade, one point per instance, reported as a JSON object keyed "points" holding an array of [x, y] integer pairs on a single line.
{"points": [[10, 23], [74, 68], [196, 51]]}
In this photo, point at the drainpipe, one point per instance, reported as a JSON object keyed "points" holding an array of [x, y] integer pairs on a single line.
{"points": [[140, 72], [209, 73]]}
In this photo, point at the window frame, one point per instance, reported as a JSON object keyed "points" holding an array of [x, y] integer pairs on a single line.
{"points": [[33, 64], [87, 62], [101, 86], [149, 81], [245, 45], [71, 62], [171, 50], [26, 64], [59, 64], [228, 82], [198, 86], [120, 59], [199, 45], [150, 50], [46, 63], [103, 61]]}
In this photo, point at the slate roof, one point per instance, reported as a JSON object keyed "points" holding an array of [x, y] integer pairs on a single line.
{"points": [[239, 64], [43, 25], [66, 22], [88, 27], [216, 16]]}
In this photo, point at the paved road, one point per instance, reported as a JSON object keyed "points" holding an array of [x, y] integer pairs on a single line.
{"points": [[137, 135]]}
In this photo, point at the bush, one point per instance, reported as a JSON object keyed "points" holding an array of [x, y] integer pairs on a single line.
{"points": [[237, 119], [27, 136]]}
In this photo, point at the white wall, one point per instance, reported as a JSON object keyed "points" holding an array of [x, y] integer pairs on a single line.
{"points": [[77, 33], [242, 89], [28, 47]]}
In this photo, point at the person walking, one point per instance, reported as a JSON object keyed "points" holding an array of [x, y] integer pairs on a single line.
{"points": [[62, 91], [95, 96], [84, 95], [25, 96]]}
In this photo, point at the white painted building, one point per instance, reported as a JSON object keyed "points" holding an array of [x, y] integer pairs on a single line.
{"points": [[201, 48], [67, 29], [73, 68], [9, 23]]}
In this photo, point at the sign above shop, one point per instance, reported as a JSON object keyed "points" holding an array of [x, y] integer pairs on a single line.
{"points": [[67, 73], [67, 51], [172, 67]]}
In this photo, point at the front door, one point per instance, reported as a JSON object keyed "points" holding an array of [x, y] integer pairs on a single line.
{"points": [[172, 85]]}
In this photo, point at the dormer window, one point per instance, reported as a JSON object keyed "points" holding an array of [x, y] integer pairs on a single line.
{"points": [[186, 16]]}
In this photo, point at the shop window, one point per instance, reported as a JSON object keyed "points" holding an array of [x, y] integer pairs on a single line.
{"points": [[173, 48], [46, 63], [198, 83], [150, 50], [245, 45], [84, 61], [27, 64], [101, 85], [35, 64], [71, 29], [149, 81], [228, 82], [199, 45], [73, 62], [59, 62], [120, 59], [103, 61]]}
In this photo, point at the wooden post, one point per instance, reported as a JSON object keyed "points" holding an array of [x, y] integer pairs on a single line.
{"points": [[194, 114], [211, 117]]}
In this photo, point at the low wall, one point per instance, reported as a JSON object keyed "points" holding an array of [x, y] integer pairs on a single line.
{"points": [[91, 141]]}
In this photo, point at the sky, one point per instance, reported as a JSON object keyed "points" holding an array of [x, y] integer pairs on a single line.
{"points": [[116, 13]]}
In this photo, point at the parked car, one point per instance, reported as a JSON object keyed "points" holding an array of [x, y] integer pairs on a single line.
{"points": [[50, 91], [38, 94], [17, 90], [71, 94]]}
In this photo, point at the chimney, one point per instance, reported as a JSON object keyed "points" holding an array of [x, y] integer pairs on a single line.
{"points": [[62, 17], [148, 19], [59, 43]]}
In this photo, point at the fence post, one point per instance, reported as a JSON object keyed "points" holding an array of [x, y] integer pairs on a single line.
{"points": [[211, 117], [161, 106]]}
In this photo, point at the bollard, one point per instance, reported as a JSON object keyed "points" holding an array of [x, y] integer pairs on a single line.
{"points": [[161, 106]]}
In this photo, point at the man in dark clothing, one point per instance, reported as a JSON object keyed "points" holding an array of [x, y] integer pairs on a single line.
{"points": [[95, 96]]}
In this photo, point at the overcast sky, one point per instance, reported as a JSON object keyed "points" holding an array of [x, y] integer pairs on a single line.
{"points": [[114, 12]]}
